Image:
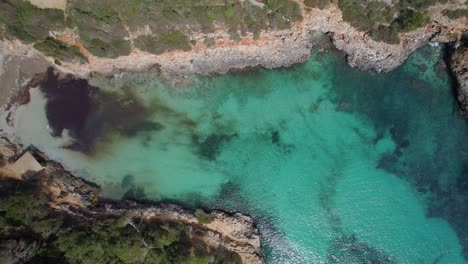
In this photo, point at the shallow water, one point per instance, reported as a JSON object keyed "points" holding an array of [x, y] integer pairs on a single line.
{"points": [[335, 164]]}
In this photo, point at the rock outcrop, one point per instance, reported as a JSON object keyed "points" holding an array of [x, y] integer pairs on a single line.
{"points": [[459, 67]]}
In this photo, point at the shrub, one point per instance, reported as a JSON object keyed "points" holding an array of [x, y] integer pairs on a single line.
{"points": [[52, 235], [27, 22], [100, 27], [171, 40], [283, 12], [409, 20], [321, 4], [455, 14], [174, 39], [388, 34], [420, 4], [60, 50], [202, 217], [366, 14]]}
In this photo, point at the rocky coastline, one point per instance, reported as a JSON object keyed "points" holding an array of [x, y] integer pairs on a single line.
{"points": [[217, 230], [271, 49], [458, 63]]}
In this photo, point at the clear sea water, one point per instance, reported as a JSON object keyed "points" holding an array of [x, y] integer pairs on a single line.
{"points": [[336, 165]]}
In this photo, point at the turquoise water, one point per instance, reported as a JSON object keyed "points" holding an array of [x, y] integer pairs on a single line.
{"points": [[336, 165]]}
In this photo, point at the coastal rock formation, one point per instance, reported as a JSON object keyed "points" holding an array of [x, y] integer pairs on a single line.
{"points": [[236, 233], [216, 51], [459, 66], [366, 54], [80, 199]]}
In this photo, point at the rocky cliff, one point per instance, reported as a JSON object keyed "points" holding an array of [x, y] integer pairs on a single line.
{"points": [[175, 40]]}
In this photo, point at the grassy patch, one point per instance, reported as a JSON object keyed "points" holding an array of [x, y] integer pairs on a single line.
{"points": [[166, 15], [164, 42], [101, 24], [174, 40], [453, 36], [100, 27], [384, 22], [60, 50], [282, 13], [321, 4], [388, 34], [420, 4], [456, 14], [202, 217], [409, 20], [366, 14], [29, 23]]}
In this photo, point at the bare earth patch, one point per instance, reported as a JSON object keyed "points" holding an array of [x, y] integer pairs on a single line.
{"points": [[58, 4]]}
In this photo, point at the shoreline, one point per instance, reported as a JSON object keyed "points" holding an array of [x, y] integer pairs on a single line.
{"points": [[319, 29], [274, 48]]}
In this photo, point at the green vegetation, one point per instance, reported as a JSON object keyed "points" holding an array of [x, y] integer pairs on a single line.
{"points": [[174, 39], [28, 23], [366, 14], [103, 26], [32, 232], [419, 4], [202, 217], [284, 12], [167, 20], [100, 27], [453, 36], [167, 41], [321, 4], [456, 14], [60, 50], [203, 14], [410, 20], [388, 34], [407, 20], [384, 22]]}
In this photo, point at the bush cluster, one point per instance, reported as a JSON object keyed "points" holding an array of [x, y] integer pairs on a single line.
{"points": [[384, 22], [32, 232]]}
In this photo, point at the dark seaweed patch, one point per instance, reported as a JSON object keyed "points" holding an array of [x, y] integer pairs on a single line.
{"points": [[92, 115], [210, 147], [399, 131], [275, 137], [127, 181], [135, 193], [144, 126], [347, 249], [68, 105]]}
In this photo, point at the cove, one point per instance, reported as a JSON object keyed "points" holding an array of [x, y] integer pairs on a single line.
{"points": [[335, 164]]}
